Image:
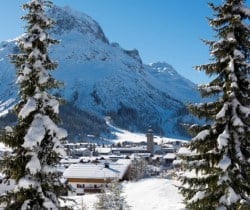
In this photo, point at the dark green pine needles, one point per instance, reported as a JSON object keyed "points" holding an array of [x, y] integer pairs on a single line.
{"points": [[36, 138], [220, 158]]}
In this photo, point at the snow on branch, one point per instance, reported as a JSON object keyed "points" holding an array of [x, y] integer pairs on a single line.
{"points": [[29, 107], [33, 165], [35, 133], [222, 139], [202, 135]]}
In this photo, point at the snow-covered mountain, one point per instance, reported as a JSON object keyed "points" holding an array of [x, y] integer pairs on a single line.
{"points": [[103, 79]]}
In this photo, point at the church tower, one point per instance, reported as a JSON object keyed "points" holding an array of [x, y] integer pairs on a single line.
{"points": [[150, 141]]}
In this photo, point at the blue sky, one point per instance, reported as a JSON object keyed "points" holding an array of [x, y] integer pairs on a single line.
{"points": [[162, 30]]}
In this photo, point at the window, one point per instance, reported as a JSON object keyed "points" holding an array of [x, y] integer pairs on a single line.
{"points": [[79, 186]]}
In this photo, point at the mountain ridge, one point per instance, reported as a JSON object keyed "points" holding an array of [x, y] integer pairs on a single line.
{"points": [[103, 79]]}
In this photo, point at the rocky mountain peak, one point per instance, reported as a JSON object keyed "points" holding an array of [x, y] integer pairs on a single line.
{"points": [[68, 20], [163, 67], [102, 79]]}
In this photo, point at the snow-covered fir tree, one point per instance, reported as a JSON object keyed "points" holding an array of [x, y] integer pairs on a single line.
{"points": [[111, 198], [221, 147], [138, 169], [36, 138]]}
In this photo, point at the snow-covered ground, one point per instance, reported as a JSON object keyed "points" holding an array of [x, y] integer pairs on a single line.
{"points": [[85, 202], [153, 194], [146, 194], [124, 135]]}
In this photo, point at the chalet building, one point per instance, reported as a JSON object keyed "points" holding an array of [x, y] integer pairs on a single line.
{"points": [[103, 150], [68, 161], [129, 150], [169, 158], [168, 149], [91, 178], [80, 152]]}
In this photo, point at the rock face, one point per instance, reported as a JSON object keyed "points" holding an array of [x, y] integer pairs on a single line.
{"points": [[103, 79]]}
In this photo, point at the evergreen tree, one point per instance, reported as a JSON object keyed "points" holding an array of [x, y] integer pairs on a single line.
{"points": [[111, 198], [221, 147], [36, 138], [138, 169]]}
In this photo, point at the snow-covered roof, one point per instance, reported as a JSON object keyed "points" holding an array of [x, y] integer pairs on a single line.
{"points": [[177, 162], [103, 150], [170, 156], [124, 161], [69, 160], [81, 149], [167, 145], [96, 171], [129, 149], [185, 151], [155, 157]]}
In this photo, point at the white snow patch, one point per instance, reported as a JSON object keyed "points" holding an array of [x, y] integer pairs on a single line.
{"points": [[25, 205], [245, 110], [54, 104], [43, 77], [231, 65], [29, 107], [246, 10], [221, 208], [237, 121], [25, 183], [48, 204], [224, 163], [35, 133], [34, 164], [26, 44], [231, 37], [223, 178], [43, 36], [198, 196], [26, 70], [58, 148], [230, 197], [153, 193], [87, 201], [222, 112], [223, 139], [239, 154], [239, 54], [124, 135], [146, 194], [48, 169], [53, 128], [202, 135]]}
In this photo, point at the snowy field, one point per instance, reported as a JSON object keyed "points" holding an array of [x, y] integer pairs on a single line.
{"points": [[153, 194], [124, 135], [146, 194]]}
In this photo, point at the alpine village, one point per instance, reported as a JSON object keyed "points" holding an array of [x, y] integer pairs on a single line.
{"points": [[86, 125]]}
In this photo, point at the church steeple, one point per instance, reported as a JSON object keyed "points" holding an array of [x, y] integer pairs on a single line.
{"points": [[150, 141]]}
